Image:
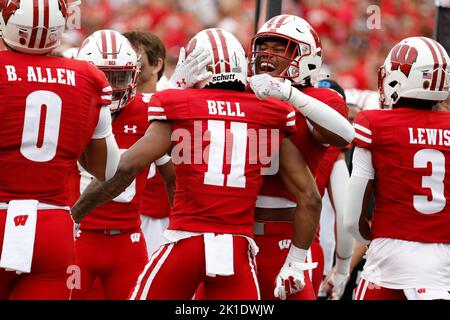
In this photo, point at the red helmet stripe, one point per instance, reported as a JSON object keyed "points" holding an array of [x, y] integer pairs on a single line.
{"points": [[281, 21], [63, 4], [104, 45], [444, 67], [224, 49], [46, 22], [271, 22], [191, 46], [215, 51], [436, 63], [35, 23], [7, 11], [114, 44]]}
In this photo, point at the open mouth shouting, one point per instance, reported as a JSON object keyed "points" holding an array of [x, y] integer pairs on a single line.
{"points": [[267, 66]]}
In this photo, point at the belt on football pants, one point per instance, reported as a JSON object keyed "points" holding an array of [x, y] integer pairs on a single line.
{"points": [[111, 232], [41, 206], [273, 228]]}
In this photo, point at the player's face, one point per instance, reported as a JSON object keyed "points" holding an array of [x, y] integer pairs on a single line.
{"points": [[276, 57], [146, 70]]}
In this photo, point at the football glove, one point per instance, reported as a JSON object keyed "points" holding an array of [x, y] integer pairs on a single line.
{"points": [[265, 86], [191, 69]]}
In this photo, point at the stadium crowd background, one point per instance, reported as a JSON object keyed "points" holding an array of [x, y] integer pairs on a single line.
{"points": [[352, 51]]}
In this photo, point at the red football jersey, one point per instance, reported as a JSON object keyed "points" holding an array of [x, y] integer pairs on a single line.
{"points": [[304, 140], [411, 156], [122, 213], [50, 108], [222, 141], [155, 200]]}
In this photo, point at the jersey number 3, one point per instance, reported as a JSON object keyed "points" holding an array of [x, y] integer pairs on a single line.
{"points": [[435, 182]]}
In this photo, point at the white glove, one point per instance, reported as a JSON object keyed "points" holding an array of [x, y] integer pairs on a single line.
{"points": [[338, 282], [334, 284], [192, 69], [291, 278], [264, 86]]}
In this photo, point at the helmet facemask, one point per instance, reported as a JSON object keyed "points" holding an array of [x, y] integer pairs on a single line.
{"points": [[123, 83], [118, 61]]}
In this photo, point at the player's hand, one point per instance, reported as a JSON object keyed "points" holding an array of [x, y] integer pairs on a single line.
{"points": [[264, 86], [76, 230], [334, 284], [340, 282], [291, 278], [192, 69]]}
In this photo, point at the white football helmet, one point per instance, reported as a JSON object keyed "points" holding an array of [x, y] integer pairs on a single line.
{"points": [[33, 26], [113, 54], [418, 68], [305, 62], [229, 63]]}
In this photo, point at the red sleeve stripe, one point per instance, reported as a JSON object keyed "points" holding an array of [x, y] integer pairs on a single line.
{"points": [[291, 114], [361, 128], [155, 109], [362, 138], [362, 133], [290, 123], [151, 118], [107, 89], [156, 113]]}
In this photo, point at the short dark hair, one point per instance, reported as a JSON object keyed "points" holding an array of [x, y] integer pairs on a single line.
{"points": [[412, 103], [228, 85], [333, 85], [152, 45]]}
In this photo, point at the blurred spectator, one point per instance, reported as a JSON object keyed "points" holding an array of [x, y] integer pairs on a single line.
{"points": [[352, 51]]}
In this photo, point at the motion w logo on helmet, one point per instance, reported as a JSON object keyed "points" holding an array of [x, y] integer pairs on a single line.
{"points": [[403, 56]]}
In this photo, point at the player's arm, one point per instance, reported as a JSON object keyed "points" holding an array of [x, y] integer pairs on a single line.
{"points": [[337, 188], [155, 143], [330, 126], [101, 156], [166, 169], [359, 191], [300, 182]]}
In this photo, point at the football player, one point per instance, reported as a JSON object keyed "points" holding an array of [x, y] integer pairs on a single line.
{"points": [[287, 48], [333, 177], [211, 224], [111, 245], [404, 155], [55, 112], [160, 185]]}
